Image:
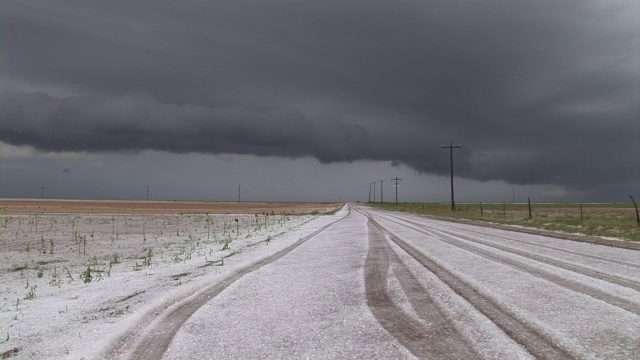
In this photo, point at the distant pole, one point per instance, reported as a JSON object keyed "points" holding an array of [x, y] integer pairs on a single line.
{"points": [[238, 193], [381, 181], [369, 192], [374, 191], [451, 147], [42, 192], [529, 201], [147, 192], [396, 181]]}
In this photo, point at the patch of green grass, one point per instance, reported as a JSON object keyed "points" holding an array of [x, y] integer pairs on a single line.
{"points": [[86, 275], [118, 312], [31, 294], [615, 220]]}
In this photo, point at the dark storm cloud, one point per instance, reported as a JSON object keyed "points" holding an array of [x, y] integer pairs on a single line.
{"points": [[339, 81], [136, 122]]}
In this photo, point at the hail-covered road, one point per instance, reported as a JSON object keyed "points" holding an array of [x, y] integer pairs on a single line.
{"points": [[385, 285]]}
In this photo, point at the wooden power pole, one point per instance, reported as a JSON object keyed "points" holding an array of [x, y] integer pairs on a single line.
{"points": [[396, 181], [451, 147]]}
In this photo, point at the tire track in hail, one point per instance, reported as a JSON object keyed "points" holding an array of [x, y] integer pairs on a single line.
{"points": [[595, 257], [537, 344], [540, 258], [436, 338], [152, 342], [557, 279]]}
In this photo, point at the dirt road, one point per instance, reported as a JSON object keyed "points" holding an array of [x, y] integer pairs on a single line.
{"points": [[376, 284]]}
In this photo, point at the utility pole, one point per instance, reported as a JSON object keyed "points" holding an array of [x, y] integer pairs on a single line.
{"points": [[374, 191], [42, 192], [451, 147], [147, 192], [369, 192], [396, 181], [381, 181]]}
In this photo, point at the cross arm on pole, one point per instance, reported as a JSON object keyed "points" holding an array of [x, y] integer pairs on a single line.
{"points": [[451, 146]]}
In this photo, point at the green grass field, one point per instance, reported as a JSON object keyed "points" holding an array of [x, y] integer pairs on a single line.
{"points": [[615, 220]]}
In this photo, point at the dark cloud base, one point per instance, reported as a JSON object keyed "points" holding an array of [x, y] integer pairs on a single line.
{"points": [[524, 87], [136, 122]]}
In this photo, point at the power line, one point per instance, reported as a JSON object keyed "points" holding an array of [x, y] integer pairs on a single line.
{"points": [[609, 91], [618, 101], [571, 85], [585, 79], [608, 67]]}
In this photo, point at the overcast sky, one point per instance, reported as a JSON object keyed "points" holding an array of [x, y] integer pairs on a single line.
{"points": [[314, 100]]}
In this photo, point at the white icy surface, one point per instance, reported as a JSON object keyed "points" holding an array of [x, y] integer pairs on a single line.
{"points": [[308, 304], [589, 328], [487, 339], [70, 319]]}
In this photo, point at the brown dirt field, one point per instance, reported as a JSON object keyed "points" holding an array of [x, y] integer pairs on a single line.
{"points": [[38, 206]]}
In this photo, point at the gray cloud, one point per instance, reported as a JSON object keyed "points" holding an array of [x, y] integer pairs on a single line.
{"points": [[338, 81]]}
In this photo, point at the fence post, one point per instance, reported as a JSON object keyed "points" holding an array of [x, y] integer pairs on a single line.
{"points": [[636, 206], [580, 212]]}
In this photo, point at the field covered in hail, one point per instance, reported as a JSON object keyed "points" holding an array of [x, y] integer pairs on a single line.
{"points": [[70, 281]]}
